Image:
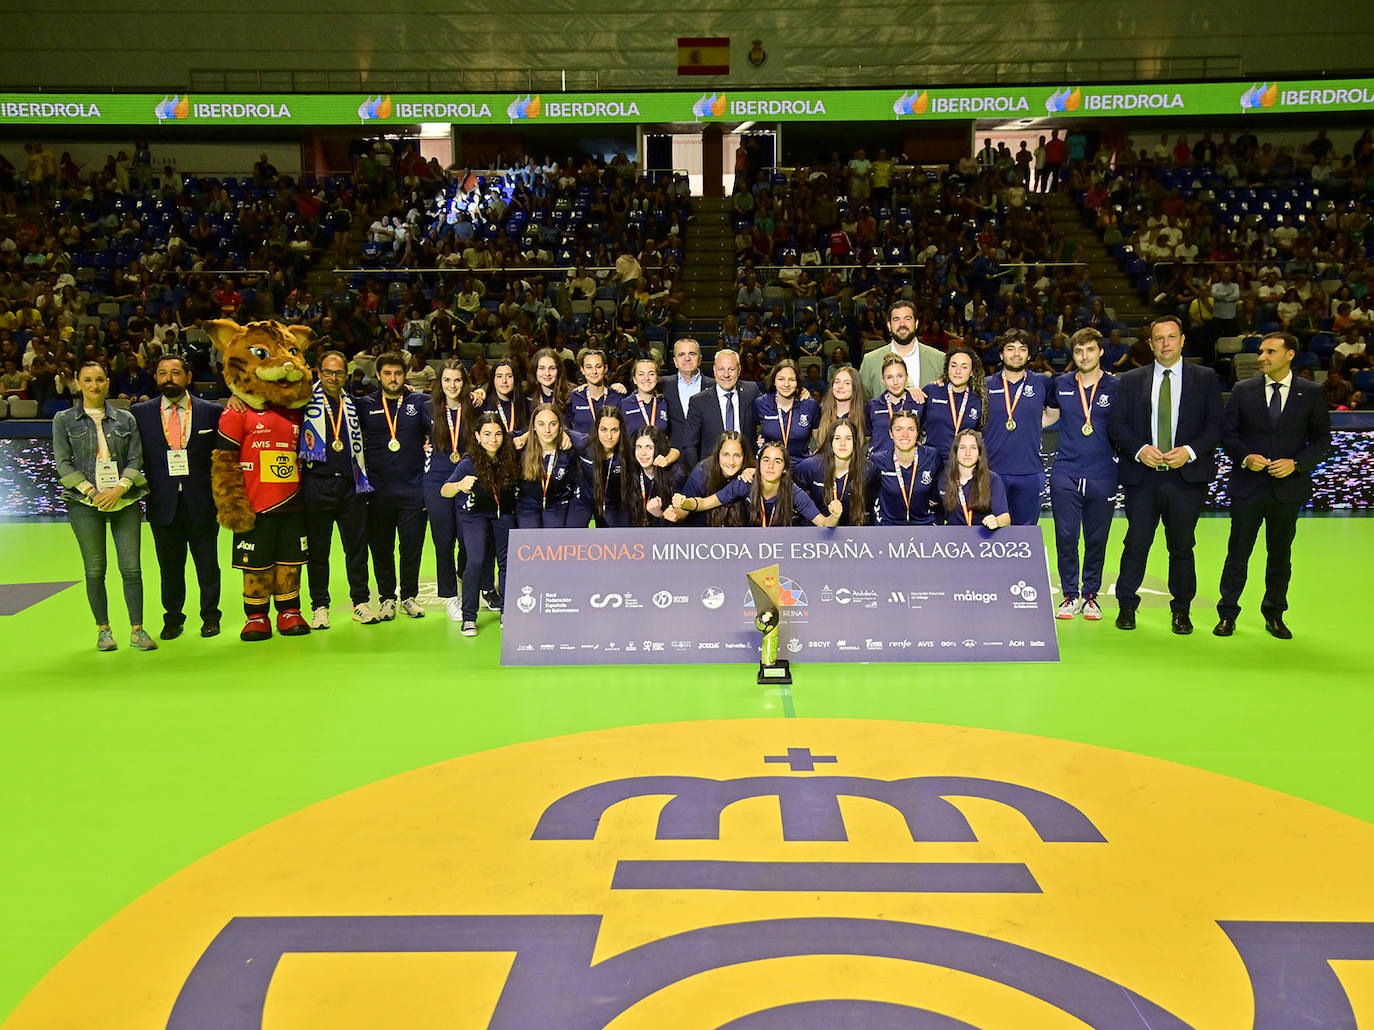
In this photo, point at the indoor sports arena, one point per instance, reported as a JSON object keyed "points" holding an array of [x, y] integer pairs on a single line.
{"points": [[610, 517]]}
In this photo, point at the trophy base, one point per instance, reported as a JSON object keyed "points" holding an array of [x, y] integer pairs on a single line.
{"points": [[780, 672]]}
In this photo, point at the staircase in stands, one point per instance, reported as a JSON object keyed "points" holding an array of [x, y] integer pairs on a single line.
{"points": [[1109, 283], [708, 275]]}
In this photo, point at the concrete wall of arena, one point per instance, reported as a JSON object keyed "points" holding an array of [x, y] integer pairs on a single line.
{"points": [[266, 46]]}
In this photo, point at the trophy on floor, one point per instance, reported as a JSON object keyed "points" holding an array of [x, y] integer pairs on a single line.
{"points": [[763, 584]]}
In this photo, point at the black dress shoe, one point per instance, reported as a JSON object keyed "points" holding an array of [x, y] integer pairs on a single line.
{"points": [[1274, 624], [210, 629], [1125, 618], [1224, 627], [1181, 624], [170, 631]]}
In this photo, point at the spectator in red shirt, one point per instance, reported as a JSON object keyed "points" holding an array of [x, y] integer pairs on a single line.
{"points": [[840, 247], [1056, 153], [228, 299]]}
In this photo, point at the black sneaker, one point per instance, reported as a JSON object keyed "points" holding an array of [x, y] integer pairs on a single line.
{"points": [[491, 600]]}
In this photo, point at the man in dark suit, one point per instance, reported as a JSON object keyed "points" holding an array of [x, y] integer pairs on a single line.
{"points": [[678, 390], [1277, 430], [1166, 424], [178, 433], [727, 405]]}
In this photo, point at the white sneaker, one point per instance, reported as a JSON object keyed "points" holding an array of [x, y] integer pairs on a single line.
{"points": [[388, 611], [1091, 611], [363, 613], [455, 608], [469, 629], [412, 608], [1069, 607], [319, 618]]}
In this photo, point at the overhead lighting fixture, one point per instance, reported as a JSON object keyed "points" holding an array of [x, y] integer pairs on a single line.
{"points": [[435, 130], [744, 127]]}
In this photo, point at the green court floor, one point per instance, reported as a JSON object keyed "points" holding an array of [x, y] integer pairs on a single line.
{"points": [[121, 769]]}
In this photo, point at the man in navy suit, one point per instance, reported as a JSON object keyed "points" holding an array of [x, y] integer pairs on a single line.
{"points": [[678, 390], [1166, 424], [178, 433], [727, 405], [1277, 430]]}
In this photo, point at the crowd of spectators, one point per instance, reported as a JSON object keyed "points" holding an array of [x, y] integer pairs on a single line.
{"points": [[123, 262], [823, 251], [1240, 237]]}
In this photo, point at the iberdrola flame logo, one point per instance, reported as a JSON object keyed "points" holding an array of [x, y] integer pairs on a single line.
{"points": [[524, 107], [915, 102], [712, 106], [1259, 95], [374, 108], [174, 108], [1064, 101]]}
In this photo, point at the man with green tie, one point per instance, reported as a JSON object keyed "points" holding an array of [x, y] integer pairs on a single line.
{"points": [[1166, 424]]}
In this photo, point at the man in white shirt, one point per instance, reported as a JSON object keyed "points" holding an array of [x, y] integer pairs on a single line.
{"points": [[924, 364]]}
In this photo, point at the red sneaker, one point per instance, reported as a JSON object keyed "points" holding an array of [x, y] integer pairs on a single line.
{"points": [[258, 627], [291, 623]]}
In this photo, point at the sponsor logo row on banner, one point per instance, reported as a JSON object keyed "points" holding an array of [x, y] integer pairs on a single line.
{"points": [[1066, 101]]}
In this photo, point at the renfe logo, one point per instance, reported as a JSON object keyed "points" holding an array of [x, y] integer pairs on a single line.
{"points": [[914, 102], [1063, 101], [374, 108], [712, 106], [175, 108], [1261, 95]]}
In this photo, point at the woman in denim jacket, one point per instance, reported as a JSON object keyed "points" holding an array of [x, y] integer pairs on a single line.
{"points": [[100, 460]]}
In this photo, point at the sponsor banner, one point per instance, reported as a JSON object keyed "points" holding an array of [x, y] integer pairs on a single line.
{"points": [[676, 596], [909, 101]]}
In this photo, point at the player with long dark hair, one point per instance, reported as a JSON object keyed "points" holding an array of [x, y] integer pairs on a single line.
{"points": [[958, 401], [488, 477], [712, 474], [782, 415], [603, 460], [972, 494], [846, 398], [648, 485], [451, 404], [773, 499], [546, 383], [550, 472], [839, 471]]}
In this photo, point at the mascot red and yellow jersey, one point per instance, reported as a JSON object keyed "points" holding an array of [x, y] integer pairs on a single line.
{"points": [[267, 442]]}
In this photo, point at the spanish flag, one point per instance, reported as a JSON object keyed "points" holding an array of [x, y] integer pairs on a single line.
{"points": [[703, 55]]}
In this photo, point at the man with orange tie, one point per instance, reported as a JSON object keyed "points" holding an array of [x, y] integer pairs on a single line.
{"points": [[1166, 426], [1277, 430], [178, 433]]}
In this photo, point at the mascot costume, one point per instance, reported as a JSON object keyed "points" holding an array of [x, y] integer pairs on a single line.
{"points": [[255, 475]]}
